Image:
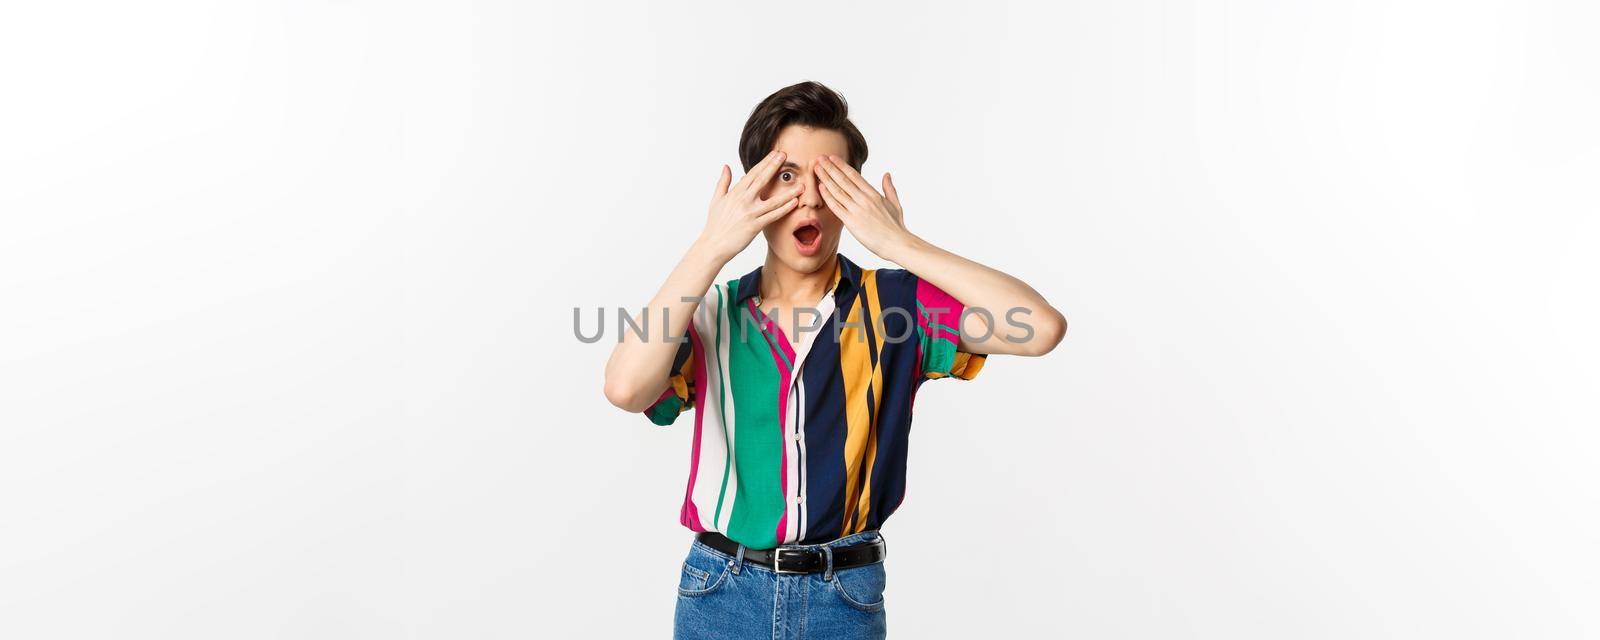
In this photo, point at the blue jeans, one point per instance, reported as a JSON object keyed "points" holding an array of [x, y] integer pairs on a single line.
{"points": [[720, 596]]}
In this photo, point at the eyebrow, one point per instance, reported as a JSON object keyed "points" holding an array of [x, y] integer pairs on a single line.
{"points": [[788, 164]]}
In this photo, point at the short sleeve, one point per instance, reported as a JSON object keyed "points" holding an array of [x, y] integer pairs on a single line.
{"points": [[679, 395], [938, 336]]}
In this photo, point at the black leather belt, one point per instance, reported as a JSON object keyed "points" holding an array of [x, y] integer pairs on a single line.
{"points": [[799, 559]]}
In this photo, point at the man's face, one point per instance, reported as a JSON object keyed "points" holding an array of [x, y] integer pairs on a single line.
{"points": [[806, 238]]}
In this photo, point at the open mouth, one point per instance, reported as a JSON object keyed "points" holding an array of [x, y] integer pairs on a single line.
{"points": [[808, 237]]}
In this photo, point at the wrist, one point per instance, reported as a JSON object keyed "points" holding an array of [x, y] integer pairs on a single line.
{"points": [[903, 246], [705, 250]]}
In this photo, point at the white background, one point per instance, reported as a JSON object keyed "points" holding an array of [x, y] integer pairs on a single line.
{"points": [[286, 348]]}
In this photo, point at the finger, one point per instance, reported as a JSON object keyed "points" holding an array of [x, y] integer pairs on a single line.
{"points": [[781, 211], [826, 178], [890, 192], [838, 208], [722, 182], [744, 180], [841, 185], [831, 191], [852, 175], [760, 176], [778, 199], [792, 191]]}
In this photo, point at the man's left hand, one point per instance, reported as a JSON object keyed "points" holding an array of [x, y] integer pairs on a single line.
{"points": [[876, 220]]}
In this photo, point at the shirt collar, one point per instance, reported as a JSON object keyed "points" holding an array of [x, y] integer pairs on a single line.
{"points": [[845, 275]]}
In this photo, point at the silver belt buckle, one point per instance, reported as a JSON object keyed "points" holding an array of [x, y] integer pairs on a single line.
{"points": [[777, 560]]}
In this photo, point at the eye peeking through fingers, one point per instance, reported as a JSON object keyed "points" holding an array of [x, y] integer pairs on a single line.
{"points": [[786, 175]]}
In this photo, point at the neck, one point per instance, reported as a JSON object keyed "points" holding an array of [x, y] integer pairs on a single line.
{"points": [[783, 284]]}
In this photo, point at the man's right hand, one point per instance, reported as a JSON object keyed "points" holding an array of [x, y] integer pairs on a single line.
{"points": [[640, 369], [739, 213]]}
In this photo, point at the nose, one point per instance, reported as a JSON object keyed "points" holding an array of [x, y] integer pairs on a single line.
{"points": [[811, 197]]}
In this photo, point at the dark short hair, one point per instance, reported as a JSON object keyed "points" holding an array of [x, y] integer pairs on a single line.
{"points": [[808, 104]]}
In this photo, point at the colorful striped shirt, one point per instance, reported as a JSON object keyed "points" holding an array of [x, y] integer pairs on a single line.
{"points": [[801, 446]]}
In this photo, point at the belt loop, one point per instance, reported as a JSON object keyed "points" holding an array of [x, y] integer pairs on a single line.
{"points": [[738, 560], [827, 555]]}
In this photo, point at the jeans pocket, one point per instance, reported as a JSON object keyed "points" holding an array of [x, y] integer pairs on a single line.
{"points": [[862, 587], [703, 573]]}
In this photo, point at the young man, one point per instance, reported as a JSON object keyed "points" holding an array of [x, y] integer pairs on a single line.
{"points": [[802, 375]]}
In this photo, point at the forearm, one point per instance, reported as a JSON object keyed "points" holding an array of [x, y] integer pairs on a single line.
{"points": [[640, 367], [1019, 321]]}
